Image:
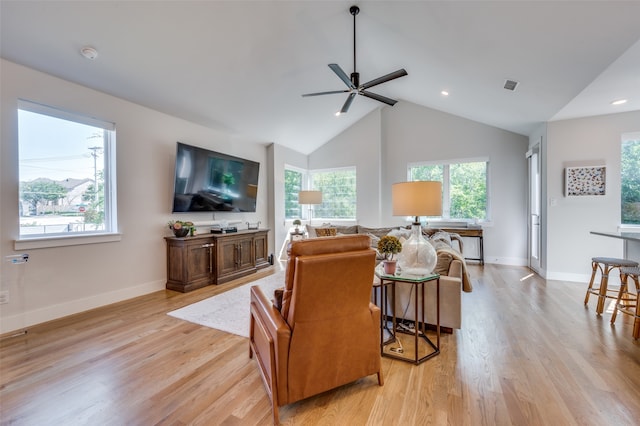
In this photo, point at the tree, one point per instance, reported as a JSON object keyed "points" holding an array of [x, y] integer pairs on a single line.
{"points": [[338, 194], [41, 191], [467, 184], [292, 185], [630, 181], [94, 197]]}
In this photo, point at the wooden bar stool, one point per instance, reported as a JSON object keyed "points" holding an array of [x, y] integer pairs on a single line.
{"points": [[605, 265], [627, 302]]}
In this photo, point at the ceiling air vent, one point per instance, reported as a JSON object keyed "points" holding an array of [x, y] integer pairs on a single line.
{"points": [[510, 85]]}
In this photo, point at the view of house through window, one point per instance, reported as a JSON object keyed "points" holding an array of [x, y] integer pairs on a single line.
{"points": [[64, 172], [464, 187], [630, 179]]}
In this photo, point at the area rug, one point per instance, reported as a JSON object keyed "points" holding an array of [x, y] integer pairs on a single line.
{"points": [[228, 311]]}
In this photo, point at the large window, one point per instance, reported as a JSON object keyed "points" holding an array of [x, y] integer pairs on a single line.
{"points": [[293, 180], [338, 188], [630, 179], [66, 173], [464, 187]]}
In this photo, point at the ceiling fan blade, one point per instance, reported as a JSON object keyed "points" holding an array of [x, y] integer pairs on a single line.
{"points": [[400, 73], [347, 103], [325, 93], [379, 98], [343, 76]]}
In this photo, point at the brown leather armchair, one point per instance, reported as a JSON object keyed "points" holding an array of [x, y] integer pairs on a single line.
{"points": [[327, 332]]}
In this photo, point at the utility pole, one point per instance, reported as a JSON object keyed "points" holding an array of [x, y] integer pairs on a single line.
{"points": [[94, 154]]}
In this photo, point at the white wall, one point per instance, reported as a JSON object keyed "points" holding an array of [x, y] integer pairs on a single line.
{"points": [[282, 157], [584, 142], [411, 133], [65, 280], [359, 146]]}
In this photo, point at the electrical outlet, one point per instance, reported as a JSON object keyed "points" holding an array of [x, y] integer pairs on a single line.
{"points": [[4, 297]]}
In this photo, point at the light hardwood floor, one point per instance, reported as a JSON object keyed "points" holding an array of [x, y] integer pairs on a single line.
{"points": [[529, 353]]}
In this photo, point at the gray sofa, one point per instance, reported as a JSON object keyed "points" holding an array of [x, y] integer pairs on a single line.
{"points": [[451, 266]]}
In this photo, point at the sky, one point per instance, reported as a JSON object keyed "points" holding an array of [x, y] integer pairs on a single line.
{"points": [[57, 149]]}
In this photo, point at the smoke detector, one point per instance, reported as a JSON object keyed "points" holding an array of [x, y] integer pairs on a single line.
{"points": [[89, 52]]}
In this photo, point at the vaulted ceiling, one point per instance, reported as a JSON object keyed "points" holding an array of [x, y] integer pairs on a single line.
{"points": [[242, 66]]}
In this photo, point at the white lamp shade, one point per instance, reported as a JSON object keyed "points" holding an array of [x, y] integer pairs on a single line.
{"points": [[310, 197], [420, 198]]}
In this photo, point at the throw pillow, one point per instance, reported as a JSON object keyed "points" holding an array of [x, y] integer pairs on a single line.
{"points": [[378, 232], [277, 298], [442, 265], [311, 231], [374, 245], [400, 233], [326, 232], [342, 229]]}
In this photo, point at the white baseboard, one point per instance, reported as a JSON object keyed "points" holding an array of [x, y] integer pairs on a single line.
{"points": [[614, 279], [38, 316], [509, 261]]}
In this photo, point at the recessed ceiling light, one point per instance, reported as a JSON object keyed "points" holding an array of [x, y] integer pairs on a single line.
{"points": [[338, 114], [619, 102], [89, 52], [444, 93]]}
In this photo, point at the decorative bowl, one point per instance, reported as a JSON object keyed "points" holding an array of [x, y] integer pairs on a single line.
{"points": [[182, 232]]}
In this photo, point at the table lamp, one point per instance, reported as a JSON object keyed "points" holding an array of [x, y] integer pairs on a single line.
{"points": [[420, 198], [310, 198]]}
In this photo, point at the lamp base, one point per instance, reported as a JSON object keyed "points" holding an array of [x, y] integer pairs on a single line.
{"points": [[418, 256]]}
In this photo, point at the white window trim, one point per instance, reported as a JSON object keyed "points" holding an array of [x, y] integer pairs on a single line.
{"points": [[57, 241], [446, 206], [25, 242], [309, 177], [628, 227]]}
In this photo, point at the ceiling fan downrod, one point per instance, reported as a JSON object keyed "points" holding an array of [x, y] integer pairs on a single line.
{"points": [[355, 76], [353, 82]]}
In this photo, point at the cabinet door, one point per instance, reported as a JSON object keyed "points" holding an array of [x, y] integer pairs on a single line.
{"points": [[226, 256], [261, 248], [198, 263], [245, 253], [189, 263]]}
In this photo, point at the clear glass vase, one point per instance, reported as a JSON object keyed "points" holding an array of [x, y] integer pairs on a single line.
{"points": [[418, 256]]}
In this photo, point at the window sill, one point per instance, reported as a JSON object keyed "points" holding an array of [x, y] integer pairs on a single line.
{"points": [[629, 228], [59, 241]]}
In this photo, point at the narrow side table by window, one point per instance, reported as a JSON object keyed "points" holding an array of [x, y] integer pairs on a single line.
{"points": [[421, 347], [475, 232]]}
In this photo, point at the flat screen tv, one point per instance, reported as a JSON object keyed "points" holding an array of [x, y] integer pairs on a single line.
{"points": [[209, 181]]}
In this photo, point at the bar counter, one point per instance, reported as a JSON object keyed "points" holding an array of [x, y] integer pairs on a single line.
{"points": [[631, 242]]}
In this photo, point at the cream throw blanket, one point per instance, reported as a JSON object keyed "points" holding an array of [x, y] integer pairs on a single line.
{"points": [[466, 282]]}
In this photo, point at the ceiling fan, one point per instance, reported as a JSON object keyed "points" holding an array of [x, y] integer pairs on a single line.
{"points": [[353, 83]]}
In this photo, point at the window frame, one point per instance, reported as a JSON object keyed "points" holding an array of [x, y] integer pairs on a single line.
{"points": [[310, 186], [303, 185], [110, 233], [446, 187], [625, 137]]}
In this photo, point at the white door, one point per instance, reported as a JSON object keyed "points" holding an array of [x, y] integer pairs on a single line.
{"points": [[533, 158]]}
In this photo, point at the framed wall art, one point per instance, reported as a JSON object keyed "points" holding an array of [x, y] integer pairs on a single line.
{"points": [[585, 181]]}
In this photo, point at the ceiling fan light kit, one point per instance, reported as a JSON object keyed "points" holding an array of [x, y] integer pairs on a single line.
{"points": [[353, 82]]}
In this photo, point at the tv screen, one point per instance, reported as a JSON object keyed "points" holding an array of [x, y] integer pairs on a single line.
{"points": [[210, 181]]}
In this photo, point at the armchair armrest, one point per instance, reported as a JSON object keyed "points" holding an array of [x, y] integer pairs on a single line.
{"points": [[273, 319], [269, 339]]}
